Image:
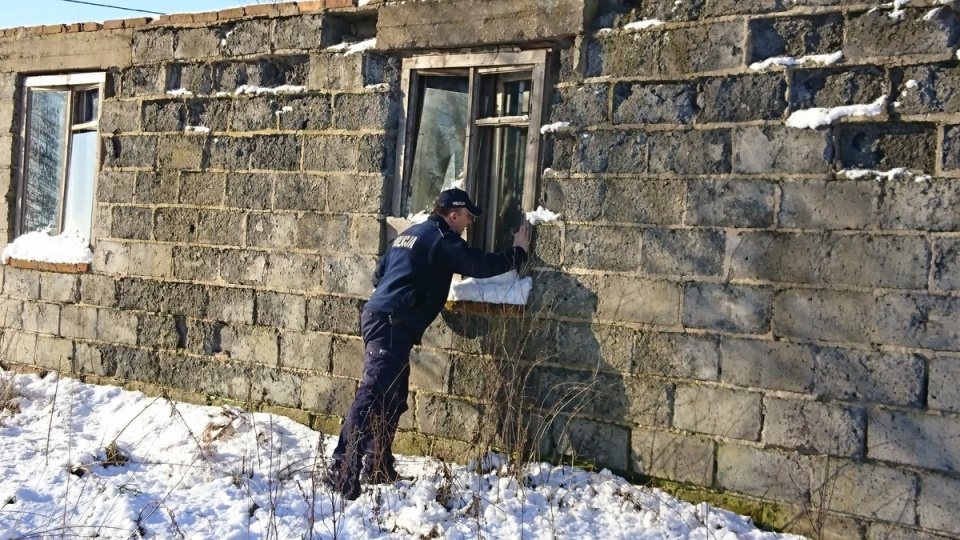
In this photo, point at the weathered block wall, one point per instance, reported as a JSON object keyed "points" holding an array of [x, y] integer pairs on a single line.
{"points": [[719, 305]]}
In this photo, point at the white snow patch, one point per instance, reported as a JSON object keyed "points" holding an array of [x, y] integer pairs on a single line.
{"points": [[812, 59], [67, 247], [257, 90], [380, 86], [541, 214], [820, 116], [419, 217], [508, 288], [283, 110], [363, 3], [892, 174], [644, 24], [352, 48], [179, 92], [552, 128], [931, 14], [603, 31], [199, 129], [911, 83]]}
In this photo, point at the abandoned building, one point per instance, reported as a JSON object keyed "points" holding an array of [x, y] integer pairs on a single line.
{"points": [[752, 291]]}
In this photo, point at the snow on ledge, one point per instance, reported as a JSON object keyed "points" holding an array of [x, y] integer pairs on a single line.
{"points": [[508, 288], [65, 248], [541, 215], [179, 92], [257, 90], [813, 59], [819, 116], [554, 127], [892, 174], [353, 48], [643, 25]]}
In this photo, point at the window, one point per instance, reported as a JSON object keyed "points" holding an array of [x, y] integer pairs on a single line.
{"points": [[60, 153], [472, 121]]}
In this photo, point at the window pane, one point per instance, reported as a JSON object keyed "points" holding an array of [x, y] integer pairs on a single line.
{"points": [[85, 106], [516, 98], [512, 164], [438, 161], [46, 142], [78, 210]]}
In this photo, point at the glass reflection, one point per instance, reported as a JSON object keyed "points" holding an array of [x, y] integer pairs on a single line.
{"points": [[78, 210], [45, 155], [438, 161]]}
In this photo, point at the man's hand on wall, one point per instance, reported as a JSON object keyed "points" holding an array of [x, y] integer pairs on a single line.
{"points": [[521, 238]]}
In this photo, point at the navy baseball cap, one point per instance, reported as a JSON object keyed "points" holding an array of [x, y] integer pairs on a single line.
{"points": [[457, 198]]}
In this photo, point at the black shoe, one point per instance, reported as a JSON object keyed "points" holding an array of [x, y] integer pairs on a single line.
{"points": [[340, 481], [381, 475]]}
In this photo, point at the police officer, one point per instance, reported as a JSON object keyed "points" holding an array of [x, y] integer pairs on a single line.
{"points": [[412, 282]]}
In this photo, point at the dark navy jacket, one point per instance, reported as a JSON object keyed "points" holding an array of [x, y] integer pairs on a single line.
{"points": [[413, 277]]}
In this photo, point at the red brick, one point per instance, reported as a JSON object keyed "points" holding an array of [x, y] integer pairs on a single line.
{"points": [[287, 8], [311, 6], [340, 3], [205, 17], [52, 29], [136, 22], [91, 26], [113, 24], [176, 18], [232, 13], [262, 10]]}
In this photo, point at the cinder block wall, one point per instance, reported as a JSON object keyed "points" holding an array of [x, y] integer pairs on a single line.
{"points": [[718, 305]]}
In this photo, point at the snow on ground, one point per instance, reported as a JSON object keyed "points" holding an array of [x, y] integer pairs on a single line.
{"points": [[820, 116], [186, 471], [67, 247]]}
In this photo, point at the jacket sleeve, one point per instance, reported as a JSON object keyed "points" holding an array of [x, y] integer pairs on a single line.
{"points": [[454, 253], [378, 272]]}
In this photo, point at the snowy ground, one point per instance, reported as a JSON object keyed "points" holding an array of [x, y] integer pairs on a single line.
{"points": [[82, 461]]}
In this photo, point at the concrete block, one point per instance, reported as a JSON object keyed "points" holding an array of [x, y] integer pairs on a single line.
{"points": [[299, 32], [592, 441], [202, 188], [575, 199], [448, 417], [188, 151], [271, 230], [152, 260], [324, 232], [840, 204], [142, 294], [19, 348], [773, 365], [648, 201], [888, 531], [275, 152], [153, 45], [939, 497], [581, 105], [478, 377], [743, 99], [306, 350], [209, 113], [866, 490], [886, 146], [610, 152], [61, 288], [577, 296], [243, 267], [55, 353], [330, 152], [98, 290], [252, 191], [21, 283], [348, 274], [942, 393], [650, 103], [588, 346], [254, 114], [119, 116], [638, 300], [920, 205], [281, 310], [251, 344], [196, 263], [831, 88], [730, 203], [130, 151], [117, 326], [946, 264], [347, 357], [649, 402], [606, 248], [917, 320], [186, 299], [811, 426], [677, 355], [706, 48], [310, 113], [478, 22], [162, 332], [881, 261], [277, 387], [868, 376], [690, 152], [333, 71], [914, 438], [222, 227], [116, 186], [672, 456], [231, 305], [683, 252], [377, 154], [11, 313], [367, 234], [718, 411], [825, 315], [762, 255], [370, 110], [327, 395], [931, 92], [766, 149], [90, 360], [129, 223], [875, 33], [729, 308], [41, 317], [301, 192], [794, 36], [335, 314], [176, 224], [767, 474], [229, 153], [295, 271]]}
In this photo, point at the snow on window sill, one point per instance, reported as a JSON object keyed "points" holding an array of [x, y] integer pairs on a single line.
{"points": [[63, 268]]}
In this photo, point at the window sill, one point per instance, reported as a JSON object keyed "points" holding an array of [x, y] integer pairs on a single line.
{"points": [[63, 268], [484, 308]]}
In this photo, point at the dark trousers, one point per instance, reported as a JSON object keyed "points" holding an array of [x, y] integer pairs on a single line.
{"points": [[371, 424]]}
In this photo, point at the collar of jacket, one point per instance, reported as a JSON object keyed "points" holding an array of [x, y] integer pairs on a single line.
{"points": [[441, 223]]}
